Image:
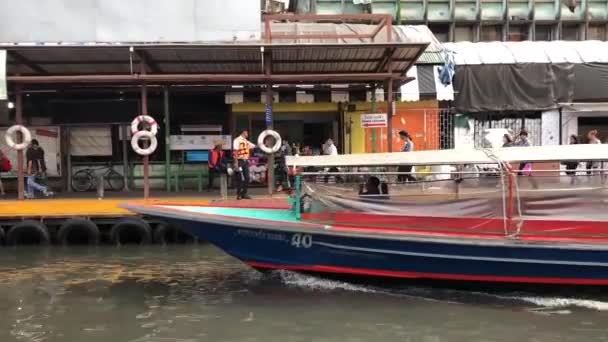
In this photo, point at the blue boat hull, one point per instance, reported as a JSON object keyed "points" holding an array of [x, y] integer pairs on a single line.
{"points": [[319, 251]]}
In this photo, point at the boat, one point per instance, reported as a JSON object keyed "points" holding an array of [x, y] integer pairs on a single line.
{"points": [[544, 228]]}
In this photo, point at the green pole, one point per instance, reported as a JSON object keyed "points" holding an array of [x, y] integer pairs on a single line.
{"points": [[167, 139], [373, 111], [398, 14], [298, 187]]}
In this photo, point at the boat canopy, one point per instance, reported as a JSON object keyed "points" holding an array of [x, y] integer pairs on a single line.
{"points": [[580, 152]]}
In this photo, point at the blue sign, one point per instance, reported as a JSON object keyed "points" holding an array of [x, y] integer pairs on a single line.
{"points": [[268, 115]]}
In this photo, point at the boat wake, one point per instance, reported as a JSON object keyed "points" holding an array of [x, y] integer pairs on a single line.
{"points": [[542, 304]]}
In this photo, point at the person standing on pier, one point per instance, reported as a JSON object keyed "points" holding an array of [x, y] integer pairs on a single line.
{"points": [[216, 162], [408, 146], [241, 147], [5, 166], [36, 169]]}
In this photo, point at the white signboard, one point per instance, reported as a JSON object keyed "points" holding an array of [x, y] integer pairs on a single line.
{"points": [[48, 138], [2, 74], [374, 120], [198, 142]]}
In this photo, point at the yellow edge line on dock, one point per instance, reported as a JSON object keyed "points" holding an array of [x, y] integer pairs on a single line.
{"points": [[50, 208]]}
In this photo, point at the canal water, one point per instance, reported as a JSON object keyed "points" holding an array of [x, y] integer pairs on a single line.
{"points": [[197, 293]]}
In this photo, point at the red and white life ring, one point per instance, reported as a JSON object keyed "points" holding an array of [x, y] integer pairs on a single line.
{"points": [[26, 137], [144, 135], [144, 118]]}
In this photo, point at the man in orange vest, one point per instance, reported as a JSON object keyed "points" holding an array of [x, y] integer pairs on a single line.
{"points": [[216, 161], [241, 150]]}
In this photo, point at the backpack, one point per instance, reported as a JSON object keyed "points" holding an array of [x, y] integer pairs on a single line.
{"points": [[5, 166]]}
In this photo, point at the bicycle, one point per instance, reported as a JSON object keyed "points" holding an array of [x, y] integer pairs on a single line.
{"points": [[87, 179]]}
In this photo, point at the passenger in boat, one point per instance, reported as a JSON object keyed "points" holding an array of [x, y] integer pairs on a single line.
{"points": [[242, 149], [408, 146], [384, 190], [525, 168], [371, 187], [217, 162], [524, 142], [593, 139], [571, 166], [507, 140]]}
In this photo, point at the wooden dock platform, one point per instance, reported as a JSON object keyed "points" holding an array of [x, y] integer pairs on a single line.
{"points": [[69, 207]]}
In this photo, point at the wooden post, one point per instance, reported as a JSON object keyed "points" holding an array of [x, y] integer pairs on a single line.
{"points": [[19, 139]]}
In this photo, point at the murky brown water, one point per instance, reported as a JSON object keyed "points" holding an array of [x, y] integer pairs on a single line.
{"points": [[196, 293]]}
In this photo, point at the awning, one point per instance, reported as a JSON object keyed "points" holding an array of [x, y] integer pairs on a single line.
{"points": [[584, 106]]}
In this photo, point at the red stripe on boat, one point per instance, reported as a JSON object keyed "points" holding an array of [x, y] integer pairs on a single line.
{"points": [[422, 275]]}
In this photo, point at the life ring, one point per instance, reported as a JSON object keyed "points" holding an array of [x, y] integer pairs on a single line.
{"points": [[78, 231], [28, 232], [144, 151], [277, 141], [144, 118], [27, 137], [131, 230]]}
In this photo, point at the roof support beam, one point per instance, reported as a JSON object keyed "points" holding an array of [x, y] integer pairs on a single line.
{"points": [[20, 59], [148, 61], [218, 79]]}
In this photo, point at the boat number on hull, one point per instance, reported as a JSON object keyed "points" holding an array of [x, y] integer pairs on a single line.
{"points": [[301, 240]]}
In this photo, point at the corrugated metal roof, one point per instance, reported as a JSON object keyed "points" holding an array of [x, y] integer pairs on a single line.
{"points": [[466, 53], [401, 33]]}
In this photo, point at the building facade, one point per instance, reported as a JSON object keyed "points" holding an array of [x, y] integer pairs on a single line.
{"points": [[486, 20]]}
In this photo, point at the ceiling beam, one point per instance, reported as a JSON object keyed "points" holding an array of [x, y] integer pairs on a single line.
{"points": [[20, 59], [148, 61], [218, 79]]}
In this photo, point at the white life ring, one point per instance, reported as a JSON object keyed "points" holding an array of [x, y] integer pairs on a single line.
{"points": [[148, 119], [27, 137], [277, 141], [144, 135]]}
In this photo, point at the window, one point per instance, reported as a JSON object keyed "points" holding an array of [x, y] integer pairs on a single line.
{"points": [[463, 34], [596, 32], [518, 33], [571, 32], [442, 32], [491, 33], [543, 33]]}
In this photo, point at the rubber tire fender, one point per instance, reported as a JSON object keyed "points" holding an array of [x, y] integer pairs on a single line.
{"points": [[12, 237], [74, 224], [142, 227], [161, 231]]}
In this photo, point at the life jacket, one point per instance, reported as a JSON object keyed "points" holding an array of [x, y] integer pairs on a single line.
{"points": [[214, 158], [243, 149]]}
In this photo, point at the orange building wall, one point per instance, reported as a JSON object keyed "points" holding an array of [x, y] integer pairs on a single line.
{"points": [[420, 119]]}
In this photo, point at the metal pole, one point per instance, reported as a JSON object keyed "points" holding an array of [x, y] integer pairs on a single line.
{"points": [[561, 138], [144, 111], [269, 118], [167, 139], [125, 157], [373, 107], [390, 115], [19, 138]]}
